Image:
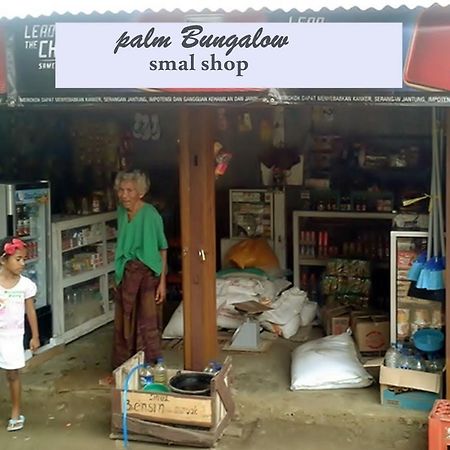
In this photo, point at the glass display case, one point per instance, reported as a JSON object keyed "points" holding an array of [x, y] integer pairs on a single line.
{"points": [[408, 314], [83, 273]]}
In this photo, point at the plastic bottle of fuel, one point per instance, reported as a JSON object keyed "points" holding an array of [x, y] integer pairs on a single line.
{"points": [[145, 377], [160, 371]]}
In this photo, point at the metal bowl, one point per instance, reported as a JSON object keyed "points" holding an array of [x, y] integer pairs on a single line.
{"points": [[193, 383]]}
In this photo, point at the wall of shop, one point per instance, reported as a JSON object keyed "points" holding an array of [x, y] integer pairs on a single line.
{"points": [[62, 144], [386, 128], [353, 122], [78, 150]]}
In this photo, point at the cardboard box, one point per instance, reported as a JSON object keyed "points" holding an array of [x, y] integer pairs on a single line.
{"points": [[371, 333], [413, 379], [171, 418], [423, 388], [340, 324], [335, 318], [418, 400], [358, 313]]}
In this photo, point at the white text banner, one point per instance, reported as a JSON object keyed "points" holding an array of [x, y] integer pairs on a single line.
{"points": [[229, 55]]}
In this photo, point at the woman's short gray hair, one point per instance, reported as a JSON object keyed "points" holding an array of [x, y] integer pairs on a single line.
{"points": [[139, 178]]}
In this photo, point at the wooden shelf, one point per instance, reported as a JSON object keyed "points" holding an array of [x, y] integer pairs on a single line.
{"points": [[318, 262], [305, 261], [344, 215]]}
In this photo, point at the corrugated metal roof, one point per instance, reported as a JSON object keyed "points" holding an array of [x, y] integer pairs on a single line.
{"points": [[11, 9]]}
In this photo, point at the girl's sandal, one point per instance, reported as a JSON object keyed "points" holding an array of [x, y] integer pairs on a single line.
{"points": [[15, 424]]}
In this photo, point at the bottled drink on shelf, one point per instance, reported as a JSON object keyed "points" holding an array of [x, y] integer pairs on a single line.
{"points": [[19, 221], [32, 225], [302, 243], [313, 243], [160, 372], [323, 243], [26, 221]]}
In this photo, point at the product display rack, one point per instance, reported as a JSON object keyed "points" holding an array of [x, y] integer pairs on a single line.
{"points": [[408, 314], [83, 274], [251, 213], [259, 213], [315, 260]]}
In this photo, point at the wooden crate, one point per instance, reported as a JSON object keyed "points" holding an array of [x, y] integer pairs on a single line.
{"points": [[170, 418]]}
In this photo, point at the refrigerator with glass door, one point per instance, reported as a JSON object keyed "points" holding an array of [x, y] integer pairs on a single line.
{"points": [[25, 213]]}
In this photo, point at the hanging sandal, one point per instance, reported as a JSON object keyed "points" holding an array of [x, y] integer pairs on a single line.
{"points": [[16, 424]]}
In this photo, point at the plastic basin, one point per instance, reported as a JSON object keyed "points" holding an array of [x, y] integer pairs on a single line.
{"points": [[428, 340], [156, 387]]}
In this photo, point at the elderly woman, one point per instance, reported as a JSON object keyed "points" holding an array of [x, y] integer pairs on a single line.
{"points": [[140, 264]]}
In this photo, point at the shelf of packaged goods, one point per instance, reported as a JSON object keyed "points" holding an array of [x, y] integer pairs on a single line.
{"points": [[345, 215], [94, 242], [70, 280]]}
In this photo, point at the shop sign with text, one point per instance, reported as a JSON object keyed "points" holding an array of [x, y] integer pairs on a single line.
{"points": [[423, 76]]}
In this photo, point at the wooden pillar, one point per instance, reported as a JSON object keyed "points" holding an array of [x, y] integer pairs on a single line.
{"points": [[447, 250], [198, 236]]}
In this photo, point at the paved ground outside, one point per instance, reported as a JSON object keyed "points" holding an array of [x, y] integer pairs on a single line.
{"points": [[66, 408]]}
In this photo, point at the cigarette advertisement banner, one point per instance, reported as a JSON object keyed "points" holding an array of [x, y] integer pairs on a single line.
{"points": [[2, 66], [423, 74]]}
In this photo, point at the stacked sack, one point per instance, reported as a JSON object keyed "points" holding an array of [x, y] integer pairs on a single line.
{"points": [[234, 288], [239, 289], [291, 310], [254, 275]]}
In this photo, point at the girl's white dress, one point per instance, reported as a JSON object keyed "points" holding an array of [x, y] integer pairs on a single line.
{"points": [[12, 315]]}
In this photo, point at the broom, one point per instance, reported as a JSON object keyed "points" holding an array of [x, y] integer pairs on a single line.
{"points": [[419, 263], [429, 284], [436, 280]]}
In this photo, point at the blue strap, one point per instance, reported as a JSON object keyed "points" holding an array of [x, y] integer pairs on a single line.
{"points": [[124, 403]]}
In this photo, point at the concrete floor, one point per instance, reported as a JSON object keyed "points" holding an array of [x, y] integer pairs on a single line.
{"points": [[66, 408]]}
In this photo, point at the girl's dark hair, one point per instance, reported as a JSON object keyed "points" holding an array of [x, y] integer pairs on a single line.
{"points": [[4, 241]]}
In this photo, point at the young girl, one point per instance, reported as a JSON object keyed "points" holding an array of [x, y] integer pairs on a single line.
{"points": [[16, 297]]}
